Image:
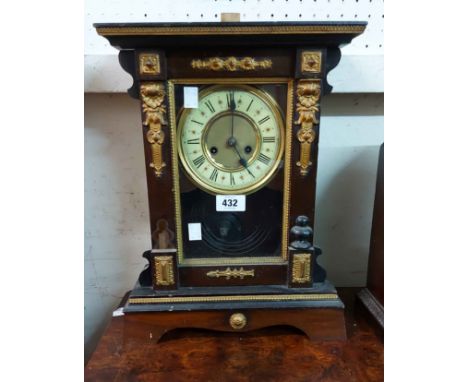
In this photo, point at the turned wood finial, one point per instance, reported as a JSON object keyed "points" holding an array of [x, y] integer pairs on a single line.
{"points": [[301, 233]]}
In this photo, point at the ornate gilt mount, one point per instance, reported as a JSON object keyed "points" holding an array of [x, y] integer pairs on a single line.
{"points": [[164, 270], [237, 321], [234, 273], [149, 64], [311, 62], [154, 110], [301, 268], [231, 64], [307, 107]]}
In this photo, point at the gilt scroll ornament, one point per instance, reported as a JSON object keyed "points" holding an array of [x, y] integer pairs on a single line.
{"points": [[308, 94], [164, 270], [231, 64], [154, 110], [234, 273]]}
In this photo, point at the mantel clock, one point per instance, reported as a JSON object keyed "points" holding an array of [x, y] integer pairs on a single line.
{"points": [[230, 119]]}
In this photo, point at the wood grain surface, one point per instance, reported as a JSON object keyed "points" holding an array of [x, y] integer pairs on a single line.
{"points": [[272, 354]]}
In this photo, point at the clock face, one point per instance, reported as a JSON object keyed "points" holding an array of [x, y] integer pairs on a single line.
{"points": [[233, 142]]}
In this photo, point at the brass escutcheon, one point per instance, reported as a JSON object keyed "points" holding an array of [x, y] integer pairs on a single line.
{"points": [[238, 321]]}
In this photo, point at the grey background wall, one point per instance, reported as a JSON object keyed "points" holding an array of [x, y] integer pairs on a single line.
{"points": [[116, 208]]}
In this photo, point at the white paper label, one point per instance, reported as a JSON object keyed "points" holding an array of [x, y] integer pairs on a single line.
{"points": [[194, 231], [230, 203], [118, 312], [190, 97]]}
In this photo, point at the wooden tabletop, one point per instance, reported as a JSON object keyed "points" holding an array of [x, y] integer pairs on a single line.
{"points": [[271, 354]]}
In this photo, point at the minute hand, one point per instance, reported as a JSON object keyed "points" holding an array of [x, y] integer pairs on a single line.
{"points": [[232, 107]]}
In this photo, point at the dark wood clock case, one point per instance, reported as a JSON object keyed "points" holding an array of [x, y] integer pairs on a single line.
{"points": [[290, 61]]}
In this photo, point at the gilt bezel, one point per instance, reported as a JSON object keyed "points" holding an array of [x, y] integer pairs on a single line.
{"points": [[214, 190]]}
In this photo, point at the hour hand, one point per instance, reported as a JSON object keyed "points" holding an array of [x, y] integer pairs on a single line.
{"points": [[243, 162]]}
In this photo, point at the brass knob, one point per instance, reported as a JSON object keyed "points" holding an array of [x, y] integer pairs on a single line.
{"points": [[238, 321]]}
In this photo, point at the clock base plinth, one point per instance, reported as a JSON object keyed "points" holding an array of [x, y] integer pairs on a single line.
{"points": [[317, 324], [318, 311]]}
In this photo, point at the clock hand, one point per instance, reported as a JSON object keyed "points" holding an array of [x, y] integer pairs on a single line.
{"points": [[242, 161], [245, 165], [232, 142]]}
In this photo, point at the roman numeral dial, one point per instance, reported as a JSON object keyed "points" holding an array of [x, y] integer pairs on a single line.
{"points": [[233, 142]]}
